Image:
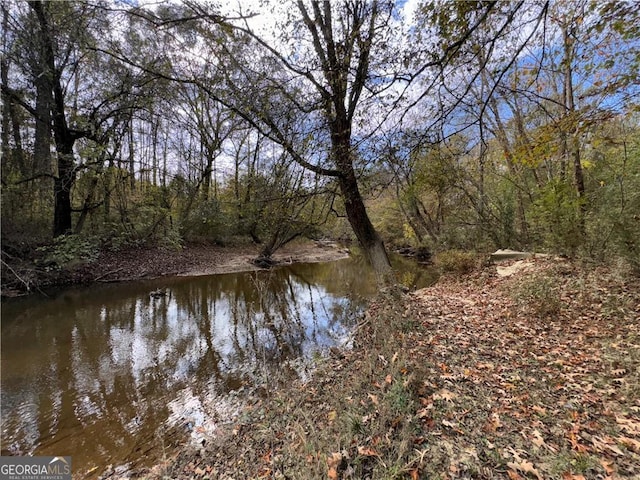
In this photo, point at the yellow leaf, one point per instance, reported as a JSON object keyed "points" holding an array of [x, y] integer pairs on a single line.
{"points": [[332, 415]]}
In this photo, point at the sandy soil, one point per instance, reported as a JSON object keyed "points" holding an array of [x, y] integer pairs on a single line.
{"points": [[233, 260], [141, 263]]}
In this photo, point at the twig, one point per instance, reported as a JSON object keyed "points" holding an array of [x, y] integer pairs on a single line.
{"points": [[107, 274], [25, 283]]}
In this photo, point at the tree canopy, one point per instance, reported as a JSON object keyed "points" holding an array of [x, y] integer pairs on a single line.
{"points": [[436, 124]]}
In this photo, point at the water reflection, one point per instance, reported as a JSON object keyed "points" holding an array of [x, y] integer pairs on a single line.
{"points": [[96, 372]]}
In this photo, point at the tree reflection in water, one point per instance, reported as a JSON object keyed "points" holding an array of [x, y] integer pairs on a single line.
{"points": [[97, 372]]}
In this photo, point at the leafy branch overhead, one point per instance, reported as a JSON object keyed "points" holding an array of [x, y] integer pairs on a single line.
{"points": [[431, 125]]}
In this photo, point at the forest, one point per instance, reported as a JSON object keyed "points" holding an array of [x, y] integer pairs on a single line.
{"points": [[143, 142], [441, 126]]}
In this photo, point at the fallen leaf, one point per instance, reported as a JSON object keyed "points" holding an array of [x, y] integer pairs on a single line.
{"points": [[615, 450], [525, 467], [368, 452], [571, 476], [629, 425], [513, 475], [539, 410], [333, 473], [264, 473], [334, 460], [495, 421], [575, 444], [374, 398], [607, 465], [444, 394], [388, 379], [630, 443], [537, 439], [332, 415]]}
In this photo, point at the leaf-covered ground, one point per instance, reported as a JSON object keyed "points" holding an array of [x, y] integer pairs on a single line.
{"points": [[535, 375]]}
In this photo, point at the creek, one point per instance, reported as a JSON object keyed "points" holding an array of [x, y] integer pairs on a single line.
{"points": [[116, 374]]}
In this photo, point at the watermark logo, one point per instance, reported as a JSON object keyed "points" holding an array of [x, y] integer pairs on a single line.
{"points": [[35, 468]]}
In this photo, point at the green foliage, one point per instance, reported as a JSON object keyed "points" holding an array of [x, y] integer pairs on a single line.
{"points": [[207, 220], [389, 222], [26, 211], [400, 399], [613, 223], [68, 250], [116, 238], [456, 261], [555, 216]]}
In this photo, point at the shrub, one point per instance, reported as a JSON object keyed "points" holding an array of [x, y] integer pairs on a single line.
{"points": [[456, 261], [539, 295], [67, 250]]}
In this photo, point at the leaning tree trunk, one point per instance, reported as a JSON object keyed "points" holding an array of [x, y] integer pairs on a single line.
{"points": [[368, 237]]}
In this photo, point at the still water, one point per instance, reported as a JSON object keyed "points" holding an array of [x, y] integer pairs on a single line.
{"points": [[113, 374]]}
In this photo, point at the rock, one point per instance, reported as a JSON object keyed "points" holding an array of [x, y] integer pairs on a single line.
{"points": [[506, 254]]}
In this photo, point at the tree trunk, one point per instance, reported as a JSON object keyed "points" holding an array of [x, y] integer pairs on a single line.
{"points": [[18, 152], [62, 192], [4, 76], [368, 238], [63, 136], [42, 145], [573, 140]]}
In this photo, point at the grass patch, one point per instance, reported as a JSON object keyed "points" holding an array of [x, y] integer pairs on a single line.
{"points": [[538, 295]]}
